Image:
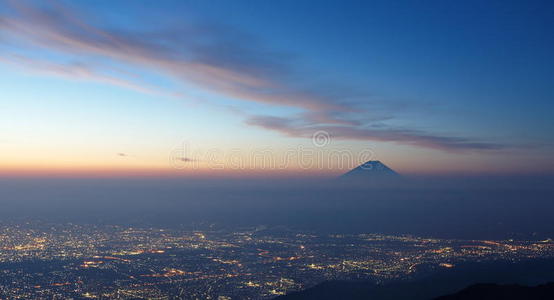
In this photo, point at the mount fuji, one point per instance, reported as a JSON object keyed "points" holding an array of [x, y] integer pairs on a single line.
{"points": [[371, 170]]}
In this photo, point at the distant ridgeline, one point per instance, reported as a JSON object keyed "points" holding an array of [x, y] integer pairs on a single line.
{"points": [[504, 292], [371, 171], [523, 280]]}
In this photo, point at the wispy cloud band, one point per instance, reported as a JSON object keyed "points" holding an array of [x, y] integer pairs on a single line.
{"points": [[297, 128], [217, 59]]}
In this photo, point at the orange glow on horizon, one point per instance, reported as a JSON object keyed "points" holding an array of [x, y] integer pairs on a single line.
{"points": [[106, 172], [211, 173]]}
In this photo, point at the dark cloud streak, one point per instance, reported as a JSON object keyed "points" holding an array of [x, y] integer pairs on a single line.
{"points": [[298, 128]]}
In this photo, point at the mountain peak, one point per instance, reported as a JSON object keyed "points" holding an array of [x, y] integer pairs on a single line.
{"points": [[371, 169]]}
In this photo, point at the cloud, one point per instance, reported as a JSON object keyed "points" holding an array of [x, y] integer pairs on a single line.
{"points": [[299, 128], [186, 159], [218, 59], [78, 71]]}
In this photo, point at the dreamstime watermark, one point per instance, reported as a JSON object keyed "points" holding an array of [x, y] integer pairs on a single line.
{"points": [[318, 157], [321, 138]]}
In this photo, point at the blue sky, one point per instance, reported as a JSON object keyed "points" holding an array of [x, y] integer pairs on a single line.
{"points": [[433, 86]]}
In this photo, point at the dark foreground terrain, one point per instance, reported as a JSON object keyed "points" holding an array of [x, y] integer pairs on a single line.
{"points": [[508, 278], [505, 292]]}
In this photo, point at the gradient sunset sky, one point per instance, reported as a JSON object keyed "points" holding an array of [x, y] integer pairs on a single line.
{"points": [[201, 87]]}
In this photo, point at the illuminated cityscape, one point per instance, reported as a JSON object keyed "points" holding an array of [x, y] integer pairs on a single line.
{"points": [[63, 261]]}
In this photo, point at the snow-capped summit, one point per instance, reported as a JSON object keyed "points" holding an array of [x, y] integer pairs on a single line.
{"points": [[372, 169]]}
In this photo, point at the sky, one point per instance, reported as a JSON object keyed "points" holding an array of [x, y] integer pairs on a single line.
{"points": [[291, 88]]}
